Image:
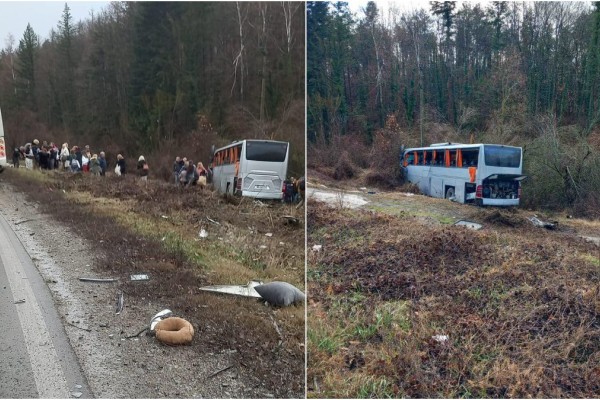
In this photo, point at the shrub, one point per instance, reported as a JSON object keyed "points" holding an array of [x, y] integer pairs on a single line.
{"points": [[344, 168]]}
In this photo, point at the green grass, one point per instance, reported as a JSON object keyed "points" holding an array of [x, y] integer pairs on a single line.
{"points": [[378, 388]]}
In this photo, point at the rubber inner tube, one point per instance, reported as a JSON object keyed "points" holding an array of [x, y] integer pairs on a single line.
{"points": [[174, 330]]}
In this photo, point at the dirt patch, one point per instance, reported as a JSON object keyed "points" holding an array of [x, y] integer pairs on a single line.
{"points": [[123, 223]]}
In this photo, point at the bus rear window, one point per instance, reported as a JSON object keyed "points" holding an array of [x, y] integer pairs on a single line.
{"points": [[499, 156], [266, 151]]}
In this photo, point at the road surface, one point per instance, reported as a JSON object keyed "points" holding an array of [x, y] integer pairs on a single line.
{"points": [[37, 358]]}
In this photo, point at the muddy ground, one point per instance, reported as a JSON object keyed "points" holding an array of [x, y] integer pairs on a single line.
{"points": [[403, 303], [73, 228]]}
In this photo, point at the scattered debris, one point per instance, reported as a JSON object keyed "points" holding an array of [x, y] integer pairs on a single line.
{"points": [[203, 233], [174, 330], [281, 294], [120, 302], [20, 301], [317, 247], [281, 244], [76, 394], [469, 224], [160, 316], [269, 234], [543, 224], [213, 221], [239, 290], [79, 327], [363, 189], [25, 220], [137, 334], [440, 338], [262, 246], [98, 280], [259, 203], [290, 220], [139, 277], [277, 329], [219, 371], [164, 216]]}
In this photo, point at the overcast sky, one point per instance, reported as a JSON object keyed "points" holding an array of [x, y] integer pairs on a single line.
{"points": [[42, 15]]}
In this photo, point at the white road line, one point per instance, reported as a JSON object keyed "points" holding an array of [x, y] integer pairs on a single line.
{"points": [[49, 377]]}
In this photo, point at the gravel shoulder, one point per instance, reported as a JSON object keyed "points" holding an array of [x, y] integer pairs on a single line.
{"points": [[114, 366]]}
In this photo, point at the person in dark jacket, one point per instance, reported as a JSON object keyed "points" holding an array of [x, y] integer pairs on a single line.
{"points": [[121, 163], [142, 168], [177, 166], [103, 165], [16, 157], [43, 158]]}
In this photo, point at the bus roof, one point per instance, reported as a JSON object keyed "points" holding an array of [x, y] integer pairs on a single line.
{"points": [[452, 146], [238, 142]]}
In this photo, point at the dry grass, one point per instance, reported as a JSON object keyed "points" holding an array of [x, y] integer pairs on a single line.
{"points": [[520, 307], [154, 229]]}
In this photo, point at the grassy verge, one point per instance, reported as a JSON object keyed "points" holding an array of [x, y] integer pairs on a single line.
{"points": [[154, 229], [403, 308]]}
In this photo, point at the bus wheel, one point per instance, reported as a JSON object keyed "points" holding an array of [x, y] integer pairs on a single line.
{"points": [[450, 193]]}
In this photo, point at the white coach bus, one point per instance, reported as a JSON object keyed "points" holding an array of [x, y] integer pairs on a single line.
{"points": [[252, 168], [485, 174]]}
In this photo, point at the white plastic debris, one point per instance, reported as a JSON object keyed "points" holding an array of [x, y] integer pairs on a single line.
{"points": [[281, 243], [164, 216], [317, 247], [166, 313], [203, 233], [262, 246], [469, 224], [440, 338], [268, 234]]}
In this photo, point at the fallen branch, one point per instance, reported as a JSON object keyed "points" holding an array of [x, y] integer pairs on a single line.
{"points": [[98, 280], [219, 371], [213, 221], [79, 327], [137, 334], [277, 329], [25, 220]]}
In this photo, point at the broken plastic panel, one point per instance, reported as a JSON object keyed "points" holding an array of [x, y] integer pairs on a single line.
{"points": [[139, 277], [469, 224], [166, 313], [239, 290]]}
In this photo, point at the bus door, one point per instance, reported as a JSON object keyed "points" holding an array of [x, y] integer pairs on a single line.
{"points": [[436, 185]]}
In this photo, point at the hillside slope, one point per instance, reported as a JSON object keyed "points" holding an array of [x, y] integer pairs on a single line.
{"points": [[405, 304]]}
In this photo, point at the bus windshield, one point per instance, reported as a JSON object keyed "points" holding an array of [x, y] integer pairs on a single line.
{"points": [[500, 156], [266, 151]]}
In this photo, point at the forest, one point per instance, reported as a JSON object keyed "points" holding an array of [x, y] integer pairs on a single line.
{"points": [[515, 73], [161, 78]]}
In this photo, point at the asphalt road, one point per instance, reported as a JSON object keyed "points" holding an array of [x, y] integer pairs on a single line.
{"points": [[36, 357]]}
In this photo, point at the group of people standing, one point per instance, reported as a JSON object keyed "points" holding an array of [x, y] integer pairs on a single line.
{"points": [[48, 157], [186, 173]]}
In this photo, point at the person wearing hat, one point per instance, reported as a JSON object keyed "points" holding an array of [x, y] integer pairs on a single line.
{"points": [[122, 166], [35, 149], [16, 157]]}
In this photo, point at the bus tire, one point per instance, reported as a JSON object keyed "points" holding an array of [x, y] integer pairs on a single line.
{"points": [[450, 192]]}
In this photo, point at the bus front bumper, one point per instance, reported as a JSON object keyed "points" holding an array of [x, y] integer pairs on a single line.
{"points": [[263, 195], [500, 202]]}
